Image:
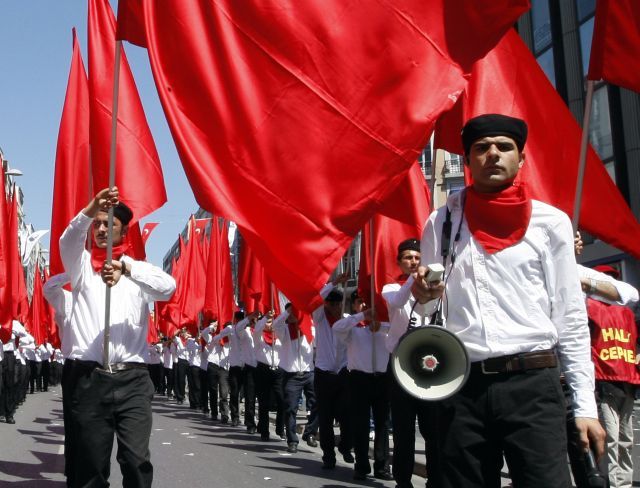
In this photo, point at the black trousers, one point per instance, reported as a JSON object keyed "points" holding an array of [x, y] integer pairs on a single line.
{"points": [[235, 383], [332, 402], [268, 386], [9, 382], [156, 373], [204, 390], [369, 393], [249, 384], [218, 382], [520, 415], [294, 384], [193, 376], [66, 384], [107, 404], [169, 380], [180, 368], [405, 409], [35, 368], [45, 372]]}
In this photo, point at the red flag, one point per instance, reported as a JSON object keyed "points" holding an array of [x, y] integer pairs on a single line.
{"points": [[71, 179], [218, 301], [615, 47], [20, 300], [257, 290], [138, 171], [38, 318], [53, 333], [188, 300], [410, 207], [509, 81], [6, 310], [278, 107], [147, 230]]}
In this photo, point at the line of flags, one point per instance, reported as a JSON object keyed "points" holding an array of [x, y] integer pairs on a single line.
{"points": [[304, 127]]}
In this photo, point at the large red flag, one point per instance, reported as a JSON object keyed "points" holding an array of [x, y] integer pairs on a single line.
{"points": [[410, 208], [615, 47], [20, 300], [38, 318], [257, 290], [71, 178], [138, 171], [147, 230], [278, 107], [188, 300], [53, 333], [509, 81], [6, 311], [218, 301]]}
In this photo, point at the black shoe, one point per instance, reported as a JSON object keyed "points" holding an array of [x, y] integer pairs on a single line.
{"points": [[281, 436], [225, 420], [384, 474], [328, 463], [311, 441], [264, 437], [292, 447], [214, 418], [10, 420], [359, 475], [235, 423], [205, 410], [348, 457], [251, 430], [180, 402]]}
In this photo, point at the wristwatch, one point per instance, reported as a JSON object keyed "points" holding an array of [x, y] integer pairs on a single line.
{"points": [[593, 284], [125, 271]]}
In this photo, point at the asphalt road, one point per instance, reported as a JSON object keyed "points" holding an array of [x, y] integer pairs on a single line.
{"points": [[186, 450]]}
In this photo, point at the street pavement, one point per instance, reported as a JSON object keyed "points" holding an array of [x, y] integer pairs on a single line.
{"points": [[186, 450]]}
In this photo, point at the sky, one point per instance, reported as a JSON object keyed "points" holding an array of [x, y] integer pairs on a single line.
{"points": [[35, 55]]}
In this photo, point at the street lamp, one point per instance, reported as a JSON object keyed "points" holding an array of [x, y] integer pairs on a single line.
{"points": [[13, 172]]}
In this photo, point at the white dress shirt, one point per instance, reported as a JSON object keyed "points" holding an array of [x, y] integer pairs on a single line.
{"points": [[235, 355], [194, 352], [60, 300], [28, 348], [167, 355], [364, 348], [400, 304], [628, 294], [130, 299], [265, 353], [524, 298], [181, 348], [17, 331], [217, 351], [331, 354], [296, 355], [245, 343], [155, 352]]}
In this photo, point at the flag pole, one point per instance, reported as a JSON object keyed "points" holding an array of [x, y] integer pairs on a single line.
{"points": [[582, 162], [347, 269], [373, 297], [432, 183], [112, 183]]}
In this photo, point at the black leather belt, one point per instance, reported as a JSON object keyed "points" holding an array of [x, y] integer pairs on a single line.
{"points": [[115, 367], [516, 362]]}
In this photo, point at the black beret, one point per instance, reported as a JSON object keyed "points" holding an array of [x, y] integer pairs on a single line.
{"points": [[354, 295], [334, 296], [409, 245], [494, 125], [122, 213]]}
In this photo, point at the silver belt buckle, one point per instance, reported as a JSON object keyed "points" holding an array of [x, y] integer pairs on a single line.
{"points": [[484, 371]]}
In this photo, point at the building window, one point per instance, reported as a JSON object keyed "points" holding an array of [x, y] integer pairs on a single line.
{"points": [[600, 124], [586, 34], [541, 21], [545, 60], [425, 160], [585, 8]]}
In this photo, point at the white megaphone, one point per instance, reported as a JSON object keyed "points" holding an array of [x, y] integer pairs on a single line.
{"points": [[430, 363]]}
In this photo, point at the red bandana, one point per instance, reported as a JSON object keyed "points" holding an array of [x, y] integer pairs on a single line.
{"points": [[99, 255], [498, 220], [267, 337], [330, 318]]}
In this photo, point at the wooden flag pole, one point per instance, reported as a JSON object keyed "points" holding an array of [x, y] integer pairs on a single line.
{"points": [[112, 183], [582, 162], [373, 297]]}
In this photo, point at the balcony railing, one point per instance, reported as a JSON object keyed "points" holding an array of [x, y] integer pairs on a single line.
{"points": [[454, 166]]}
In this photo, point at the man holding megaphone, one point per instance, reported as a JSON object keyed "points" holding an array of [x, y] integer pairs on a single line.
{"points": [[513, 298]]}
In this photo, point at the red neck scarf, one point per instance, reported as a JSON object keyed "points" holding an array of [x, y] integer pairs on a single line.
{"points": [[402, 279], [99, 255], [302, 327], [498, 220], [330, 318], [267, 337]]}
